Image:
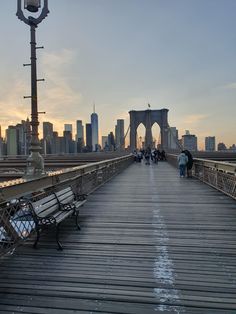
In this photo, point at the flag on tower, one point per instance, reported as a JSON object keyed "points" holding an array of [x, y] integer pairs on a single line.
{"points": [[149, 106]]}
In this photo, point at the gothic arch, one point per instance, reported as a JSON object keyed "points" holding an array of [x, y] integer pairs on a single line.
{"points": [[148, 118], [140, 132]]}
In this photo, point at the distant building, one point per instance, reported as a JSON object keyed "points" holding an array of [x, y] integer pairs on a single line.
{"points": [[62, 146], [189, 141], [105, 142], [11, 140], [56, 143], [232, 148], [210, 143], [47, 137], [89, 146], [68, 142], [79, 130], [94, 126], [79, 136], [2, 147], [20, 138], [111, 142], [221, 146], [47, 130], [120, 134], [173, 135], [68, 127]]}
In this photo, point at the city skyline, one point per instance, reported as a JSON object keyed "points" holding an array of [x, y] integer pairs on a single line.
{"points": [[131, 53], [17, 138]]}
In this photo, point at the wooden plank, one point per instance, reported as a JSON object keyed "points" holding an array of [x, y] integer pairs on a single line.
{"points": [[144, 247]]}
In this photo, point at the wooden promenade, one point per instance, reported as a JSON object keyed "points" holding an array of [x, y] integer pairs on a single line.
{"points": [[150, 242]]}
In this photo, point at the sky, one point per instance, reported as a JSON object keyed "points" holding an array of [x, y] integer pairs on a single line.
{"points": [[121, 55]]}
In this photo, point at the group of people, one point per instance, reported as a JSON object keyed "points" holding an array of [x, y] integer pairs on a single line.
{"points": [[185, 162], [185, 159], [154, 155]]}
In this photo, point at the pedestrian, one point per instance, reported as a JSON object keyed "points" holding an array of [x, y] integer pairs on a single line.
{"points": [[189, 163], [135, 156], [155, 156], [148, 155], [163, 155], [140, 156], [182, 162]]}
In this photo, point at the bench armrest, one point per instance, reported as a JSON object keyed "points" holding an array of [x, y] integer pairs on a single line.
{"points": [[67, 207], [46, 221]]}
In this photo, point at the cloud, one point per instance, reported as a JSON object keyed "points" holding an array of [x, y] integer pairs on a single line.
{"points": [[12, 105], [229, 86], [194, 119], [58, 96]]}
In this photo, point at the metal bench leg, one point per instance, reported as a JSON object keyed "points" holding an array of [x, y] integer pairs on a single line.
{"points": [[37, 237], [57, 238], [77, 220]]}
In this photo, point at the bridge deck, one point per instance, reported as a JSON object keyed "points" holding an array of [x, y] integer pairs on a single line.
{"points": [[150, 243]]}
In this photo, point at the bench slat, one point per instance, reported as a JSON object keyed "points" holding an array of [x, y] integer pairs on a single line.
{"points": [[46, 209], [60, 216], [64, 191], [44, 200]]}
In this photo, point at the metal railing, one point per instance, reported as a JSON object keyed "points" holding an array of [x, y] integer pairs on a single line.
{"points": [[220, 175], [16, 224]]}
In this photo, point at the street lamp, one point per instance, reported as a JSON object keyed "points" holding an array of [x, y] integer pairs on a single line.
{"points": [[33, 5], [35, 163]]}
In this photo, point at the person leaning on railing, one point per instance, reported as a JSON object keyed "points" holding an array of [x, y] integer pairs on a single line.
{"points": [[182, 162]]}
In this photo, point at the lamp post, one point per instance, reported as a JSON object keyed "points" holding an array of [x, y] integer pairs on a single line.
{"points": [[35, 163]]}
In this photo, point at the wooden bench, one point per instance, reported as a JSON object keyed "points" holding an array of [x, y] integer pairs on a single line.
{"points": [[53, 209]]}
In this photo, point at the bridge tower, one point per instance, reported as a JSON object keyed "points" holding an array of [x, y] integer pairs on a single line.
{"points": [[148, 118]]}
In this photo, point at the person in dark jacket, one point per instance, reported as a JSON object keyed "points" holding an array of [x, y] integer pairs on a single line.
{"points": [[189, 163], [163, 155], [147, 155]]}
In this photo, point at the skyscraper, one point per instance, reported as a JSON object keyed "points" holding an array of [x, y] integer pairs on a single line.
{"points": [[47, 130], [79, 130], [68, 142], [104, 142], [48, 136], [111, 141], [79, 135], [68, 127], [11, 139], [189, 141], [89, 137], [56, 149], [21, 139], [120, 134], [2, 147], [210, 143], [94, 126]]}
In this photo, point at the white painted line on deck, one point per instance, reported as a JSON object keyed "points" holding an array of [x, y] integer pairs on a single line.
{"points": [[163, 268]]}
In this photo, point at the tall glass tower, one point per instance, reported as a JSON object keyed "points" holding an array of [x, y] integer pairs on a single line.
{"points": [[94, 125]]}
